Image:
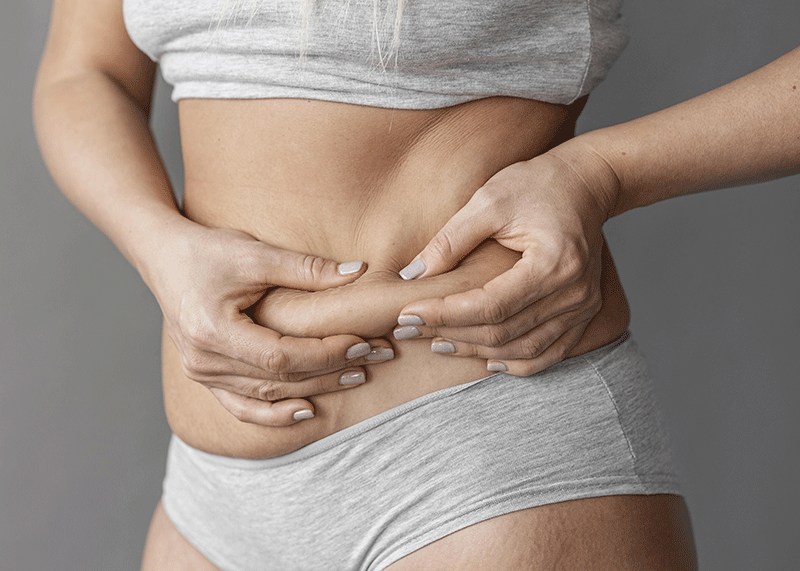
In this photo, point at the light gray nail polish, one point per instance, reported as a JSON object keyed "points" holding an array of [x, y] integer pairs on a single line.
{"points": [[407, 332], [352, 378], [410, 320], [496, 367], [349, 268], [443, 347], [358, 350], [413, 269], [380, 354], [303, 414]]}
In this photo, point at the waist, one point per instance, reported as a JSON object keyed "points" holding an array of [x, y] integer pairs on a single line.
{"points": [[350, 183]]}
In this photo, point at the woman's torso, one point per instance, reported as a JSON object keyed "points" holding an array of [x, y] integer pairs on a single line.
{"points": [[352, 182]]}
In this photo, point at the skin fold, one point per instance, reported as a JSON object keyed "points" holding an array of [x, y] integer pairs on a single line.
{"points": [[315, 314]]}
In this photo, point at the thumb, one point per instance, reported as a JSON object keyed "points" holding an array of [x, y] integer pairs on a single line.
{"points": [[463, 233], [305, 271]]}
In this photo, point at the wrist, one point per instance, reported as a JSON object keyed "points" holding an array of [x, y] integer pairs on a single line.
{"points": [[157, 241], [582, 155]]}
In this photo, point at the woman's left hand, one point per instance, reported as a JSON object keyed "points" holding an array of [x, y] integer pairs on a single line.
{"points": [[551, 209]]}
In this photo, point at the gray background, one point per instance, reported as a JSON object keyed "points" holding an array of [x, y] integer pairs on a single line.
{"points": [[713, 280]]}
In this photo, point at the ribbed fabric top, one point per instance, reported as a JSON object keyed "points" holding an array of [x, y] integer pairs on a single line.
{"points": [[449, 52]]}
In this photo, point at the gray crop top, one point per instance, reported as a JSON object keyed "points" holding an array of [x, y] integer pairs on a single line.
{"points": [[449, 51]]}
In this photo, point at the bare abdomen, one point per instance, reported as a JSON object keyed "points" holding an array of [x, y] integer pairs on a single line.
{"points": [[352, 183]]}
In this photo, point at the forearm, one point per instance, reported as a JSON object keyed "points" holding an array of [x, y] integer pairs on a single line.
{"points": [[744, 132], [99, 149]]}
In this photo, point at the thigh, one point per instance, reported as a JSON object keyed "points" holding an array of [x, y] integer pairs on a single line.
{"points": [[619, 533], [167, 550]]}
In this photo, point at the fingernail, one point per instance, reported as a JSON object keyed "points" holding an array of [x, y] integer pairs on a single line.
{"points": [[443, 347], [407, 332], [413, 269], [496, 367], [349, 268], [358, 350], [352, 378], [380, 354], [410, 320], [303, 414]]}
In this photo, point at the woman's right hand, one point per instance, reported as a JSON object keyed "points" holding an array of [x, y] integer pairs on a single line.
{"points": [[206, 278]]}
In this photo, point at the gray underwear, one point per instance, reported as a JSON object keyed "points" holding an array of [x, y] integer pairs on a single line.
{"points": [[372, 493]]}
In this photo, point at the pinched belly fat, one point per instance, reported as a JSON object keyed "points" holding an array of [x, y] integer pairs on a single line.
{"points": [[369, 307]]}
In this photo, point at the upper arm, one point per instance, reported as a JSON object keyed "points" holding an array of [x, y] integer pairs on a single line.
{"points": [[89, 36]]}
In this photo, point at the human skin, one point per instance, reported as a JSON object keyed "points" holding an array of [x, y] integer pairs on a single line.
{"points": [[378, 195], [91, 108], [353, 202], [737, 134], [381, 294]]}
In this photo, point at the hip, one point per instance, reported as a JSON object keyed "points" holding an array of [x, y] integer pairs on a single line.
{"points": [[585, 428]]}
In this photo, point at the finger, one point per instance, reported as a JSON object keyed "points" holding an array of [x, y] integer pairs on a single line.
{"points": [[202, 366], [254, 411], [495, 302], [555, 353], [460, 235], [281, 355], [208, 368], [582, 301], [380, 351], [276, 266], [500, 298], [527, 346], [489, 335], [277, 390]]}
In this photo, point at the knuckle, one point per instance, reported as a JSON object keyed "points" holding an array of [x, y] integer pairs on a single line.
{"points": [[271, 392], [573, 264], [328, 360], [197, 365], [276, 361], [532, 347], [494, 335], [489, 196], [199, 331], [441, 246], [580, 295], [312, 267], [287, 377], [494, 311], [316, 386], [560, 352], [565, 256]]}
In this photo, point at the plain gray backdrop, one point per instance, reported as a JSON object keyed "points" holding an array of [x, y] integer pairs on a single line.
{"points": [[713, 280]]}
